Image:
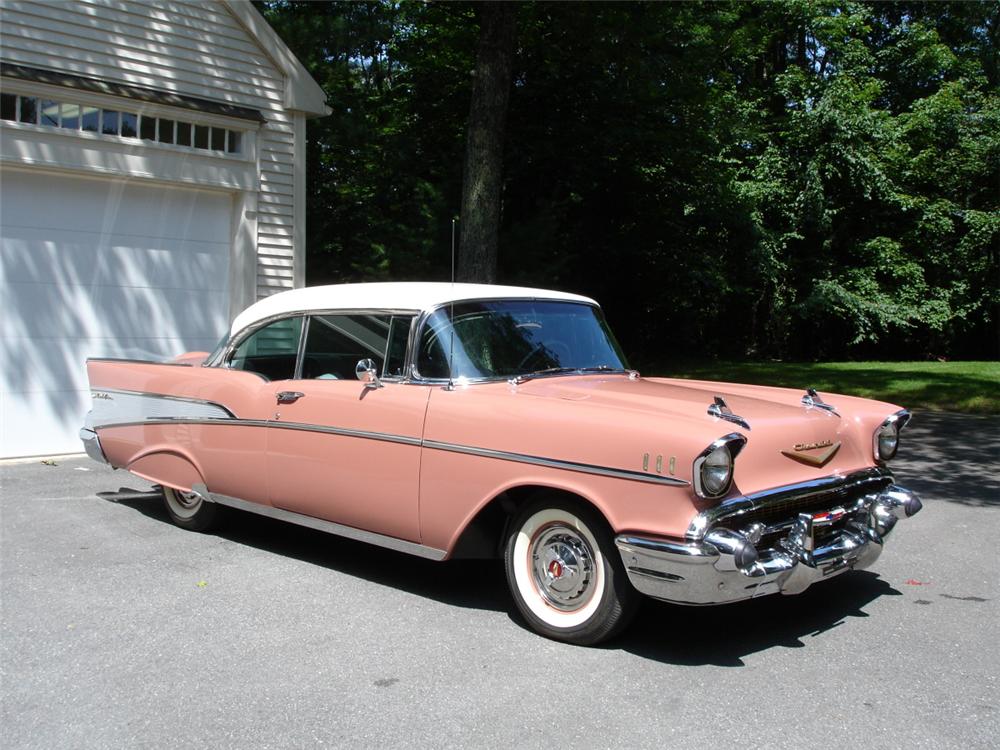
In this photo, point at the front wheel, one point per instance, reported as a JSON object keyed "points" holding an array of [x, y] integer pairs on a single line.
{"points": [[566, 575], [189, 510]]}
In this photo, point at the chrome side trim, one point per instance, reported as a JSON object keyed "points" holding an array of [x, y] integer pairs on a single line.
{"points": [[148, 394], [875, 476], [139, 361], [523, 458], [553, 463], [111, 406], [360, 535], [302, 426]]}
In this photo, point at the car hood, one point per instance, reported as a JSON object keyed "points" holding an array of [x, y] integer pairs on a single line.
{"points": [[787, 441]]}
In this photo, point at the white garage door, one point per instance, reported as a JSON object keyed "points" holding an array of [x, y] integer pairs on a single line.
{"points": [[98, 268]]}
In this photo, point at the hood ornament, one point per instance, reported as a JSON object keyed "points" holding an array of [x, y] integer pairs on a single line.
{"points": [[814, 400], [721, 410], [799, 452]]}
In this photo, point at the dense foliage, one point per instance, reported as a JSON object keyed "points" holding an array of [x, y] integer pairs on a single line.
{"points": [[799, 179]]}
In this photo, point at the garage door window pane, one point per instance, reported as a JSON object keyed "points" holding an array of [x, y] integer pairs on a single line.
{"points": [[166, 132], [201, 136], [88, 118], [183, 134], [109, 122], [29, 109], [147, 128], [70, 116], [218, 139], [130, 127], [50, 113], [8, 107], [270, 351]]}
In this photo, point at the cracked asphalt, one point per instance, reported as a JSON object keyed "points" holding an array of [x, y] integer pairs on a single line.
{"points": [[120, 630]]}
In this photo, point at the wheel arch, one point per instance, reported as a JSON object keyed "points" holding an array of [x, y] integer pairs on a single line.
{"points": [[168, 465], [483, 534]]}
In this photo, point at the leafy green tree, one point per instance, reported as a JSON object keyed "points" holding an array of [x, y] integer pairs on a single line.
{"points": [[806, 179]]}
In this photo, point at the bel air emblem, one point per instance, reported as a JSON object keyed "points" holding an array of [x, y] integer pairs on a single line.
{"points": [[800, 452]]}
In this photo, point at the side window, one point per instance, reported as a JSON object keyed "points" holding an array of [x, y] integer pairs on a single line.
{"points": [[399, 337], [270, 351], [335, 343]]}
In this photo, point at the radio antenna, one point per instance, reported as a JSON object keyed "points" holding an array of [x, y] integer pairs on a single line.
{"points": [[451, 310]]}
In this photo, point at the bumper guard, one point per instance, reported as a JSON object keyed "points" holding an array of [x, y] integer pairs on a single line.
{"points": [[725, 565]]}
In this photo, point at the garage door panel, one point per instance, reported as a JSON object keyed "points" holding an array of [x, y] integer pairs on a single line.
{"points": [[99, 206], [93, 268], [66, 311], [78, 258]]}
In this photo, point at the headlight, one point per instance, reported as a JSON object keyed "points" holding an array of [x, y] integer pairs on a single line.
{"points": [[886, 440], [713, 469]]}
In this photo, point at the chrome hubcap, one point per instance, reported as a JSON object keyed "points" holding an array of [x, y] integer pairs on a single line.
{"points": [[187, 499], [562, 566]]}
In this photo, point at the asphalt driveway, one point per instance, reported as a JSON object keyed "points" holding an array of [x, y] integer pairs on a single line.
{"points": [[121, 630]]}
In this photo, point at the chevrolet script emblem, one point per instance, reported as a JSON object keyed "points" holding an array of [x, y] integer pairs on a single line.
{"points": [[801, 453]]}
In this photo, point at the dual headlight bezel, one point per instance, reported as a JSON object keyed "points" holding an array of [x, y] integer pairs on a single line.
{"points": [[712, 470], [885, 440]]}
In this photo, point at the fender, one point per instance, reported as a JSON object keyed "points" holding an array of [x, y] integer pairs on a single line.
{"points": [[168, 466]]}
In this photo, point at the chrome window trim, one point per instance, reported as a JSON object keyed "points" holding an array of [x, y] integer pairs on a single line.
{"points": [[522, 458], [221, 361], [350, 532], [301, 350], [237, 338], [702, 522]]}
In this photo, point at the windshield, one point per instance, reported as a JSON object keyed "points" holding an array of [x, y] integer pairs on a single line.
{"points": [[503, 339]]}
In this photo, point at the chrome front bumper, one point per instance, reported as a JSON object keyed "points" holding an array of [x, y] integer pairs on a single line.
{"points": [[724, 565]]}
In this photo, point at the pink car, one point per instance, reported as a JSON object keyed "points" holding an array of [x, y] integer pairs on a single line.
{"points": [[457, 420]]}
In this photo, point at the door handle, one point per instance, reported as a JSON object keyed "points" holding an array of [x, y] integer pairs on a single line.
{"points": [[289, 397]]}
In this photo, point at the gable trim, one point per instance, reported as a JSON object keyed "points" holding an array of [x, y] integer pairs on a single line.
{"points": [[302, 93]]}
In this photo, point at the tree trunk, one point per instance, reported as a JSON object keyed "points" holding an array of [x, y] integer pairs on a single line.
{"points": [[482, 177]]}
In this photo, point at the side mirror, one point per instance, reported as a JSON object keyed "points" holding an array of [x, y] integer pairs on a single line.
{"points": [[367, 373]]}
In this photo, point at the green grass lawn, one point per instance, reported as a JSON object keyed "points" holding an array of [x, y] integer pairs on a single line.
{"points": [[972, 387]]}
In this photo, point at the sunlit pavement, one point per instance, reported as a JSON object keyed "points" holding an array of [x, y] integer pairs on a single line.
{"points": [[121, 630]]}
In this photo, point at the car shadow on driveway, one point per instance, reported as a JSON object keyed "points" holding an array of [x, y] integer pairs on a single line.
{"points": [[724, 635], [477, 584], [687, 636]]}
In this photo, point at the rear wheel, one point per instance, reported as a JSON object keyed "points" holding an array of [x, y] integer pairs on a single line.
{"points": [[566, 575], [189, 510]]}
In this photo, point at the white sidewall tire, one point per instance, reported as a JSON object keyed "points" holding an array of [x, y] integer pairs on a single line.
{"points": [[199, 516], [522, 569], [178, 508]]}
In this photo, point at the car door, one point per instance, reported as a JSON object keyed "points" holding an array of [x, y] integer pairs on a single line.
{"points": [[341, 449], [233, 452]]}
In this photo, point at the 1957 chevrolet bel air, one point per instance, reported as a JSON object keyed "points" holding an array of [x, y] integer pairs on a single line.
{"points": [[459, 420]]}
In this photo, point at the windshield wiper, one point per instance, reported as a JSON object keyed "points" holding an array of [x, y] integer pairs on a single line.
{"points": [[550, 371]]}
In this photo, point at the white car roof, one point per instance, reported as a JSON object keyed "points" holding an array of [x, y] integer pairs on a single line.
{"points": [[396, 295]]}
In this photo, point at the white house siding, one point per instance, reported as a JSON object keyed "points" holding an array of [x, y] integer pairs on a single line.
{"points": [[193, 48]]}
